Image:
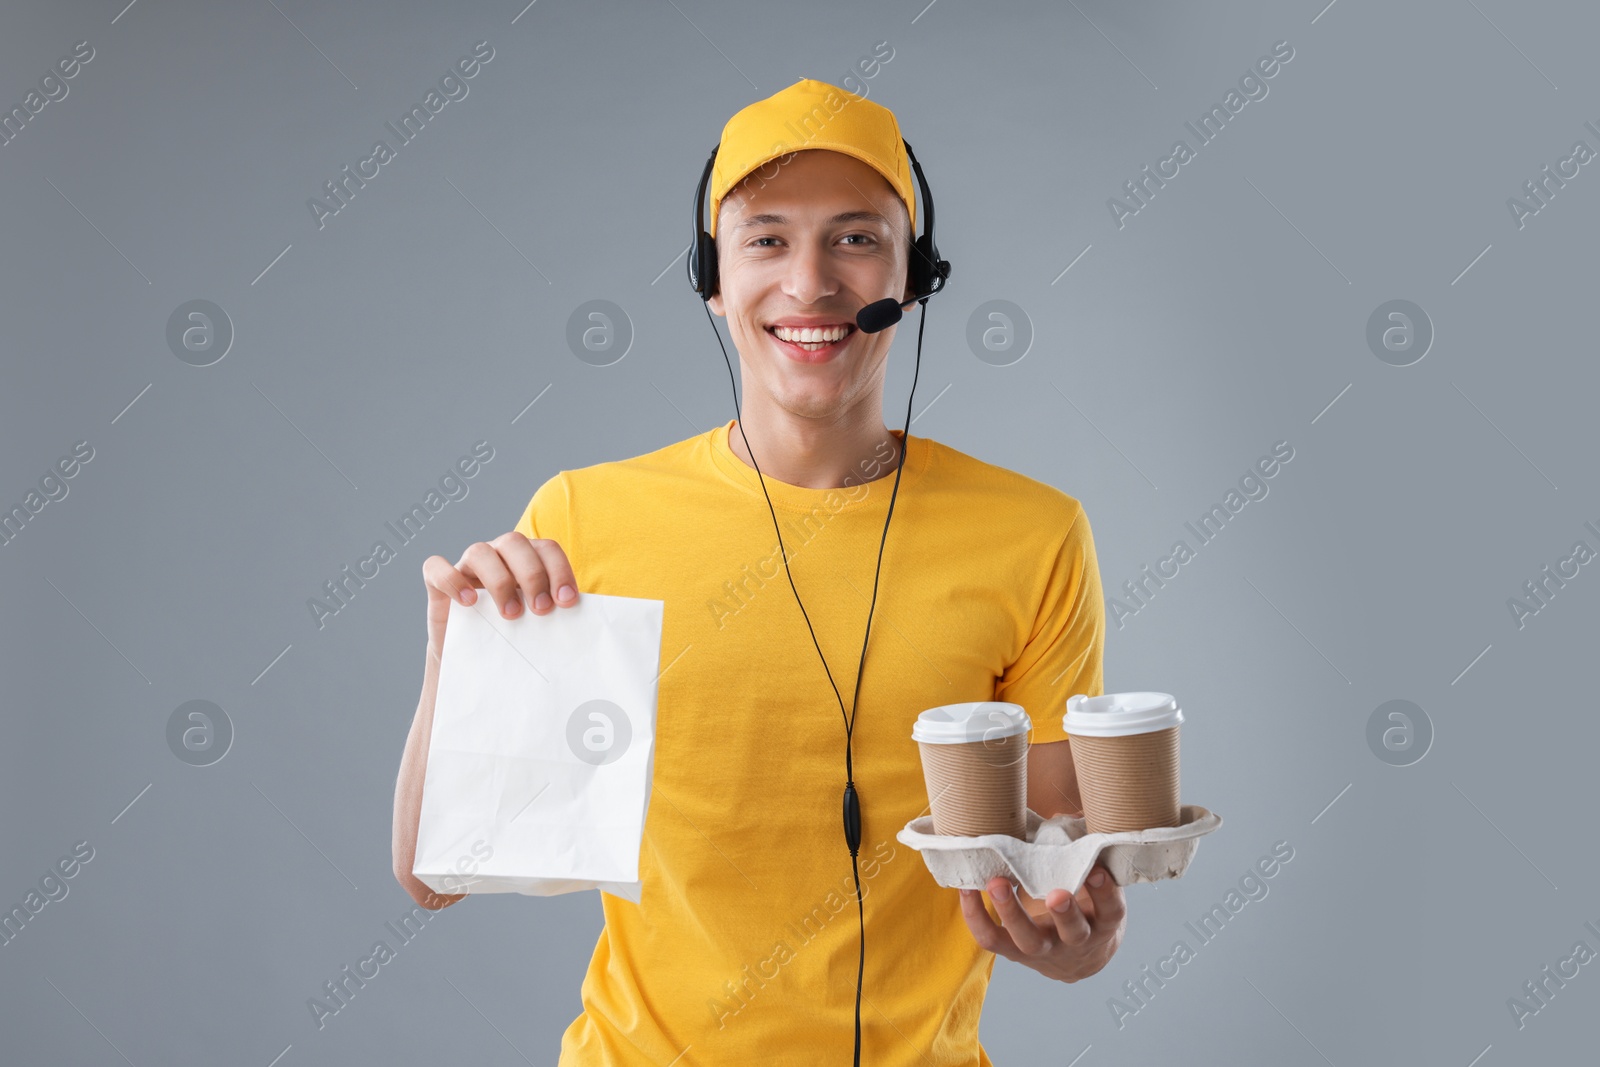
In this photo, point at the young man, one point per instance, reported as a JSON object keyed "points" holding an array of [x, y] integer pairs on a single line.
{"points": [[744, 946]]}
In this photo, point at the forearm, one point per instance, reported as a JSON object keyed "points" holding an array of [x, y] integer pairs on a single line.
{"points": [[1052, 780], [408, 793], [1051, 800]]}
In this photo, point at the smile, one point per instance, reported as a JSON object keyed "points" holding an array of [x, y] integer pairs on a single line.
{"points": [[812, 344]]}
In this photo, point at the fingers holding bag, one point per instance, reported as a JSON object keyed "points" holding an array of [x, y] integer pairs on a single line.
{"points": [[516, 571]]}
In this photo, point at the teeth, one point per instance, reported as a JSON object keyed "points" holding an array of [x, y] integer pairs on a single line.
{"points": [[811, 335]]}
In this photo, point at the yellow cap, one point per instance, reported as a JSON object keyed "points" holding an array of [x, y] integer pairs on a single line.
{"points": [[811, 114]]}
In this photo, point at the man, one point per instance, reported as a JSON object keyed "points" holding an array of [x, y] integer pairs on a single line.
{"points": [[744, 946]]}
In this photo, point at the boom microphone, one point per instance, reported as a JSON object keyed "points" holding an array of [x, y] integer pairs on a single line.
{"points": [[879, 315]]}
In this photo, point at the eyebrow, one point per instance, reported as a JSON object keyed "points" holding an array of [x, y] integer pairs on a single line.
{"points": [[770, 219]]}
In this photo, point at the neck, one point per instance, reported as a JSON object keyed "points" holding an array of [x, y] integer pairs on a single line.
{"points": [[816, 453]]}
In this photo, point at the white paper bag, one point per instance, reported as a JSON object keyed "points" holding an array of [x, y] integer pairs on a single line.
{"points": [[539, 764]]}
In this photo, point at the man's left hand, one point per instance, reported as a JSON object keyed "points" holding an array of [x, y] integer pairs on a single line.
{"points": [[1067, 937]]}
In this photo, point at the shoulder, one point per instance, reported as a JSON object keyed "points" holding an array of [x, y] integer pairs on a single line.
{"points": [[621, 487], [1008, 494], [610, 490]]}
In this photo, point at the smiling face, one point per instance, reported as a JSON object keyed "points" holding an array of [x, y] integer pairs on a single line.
{"points": [[798, 255]]}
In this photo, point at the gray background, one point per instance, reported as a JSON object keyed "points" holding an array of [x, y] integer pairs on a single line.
{"points": [[1227, 315]]}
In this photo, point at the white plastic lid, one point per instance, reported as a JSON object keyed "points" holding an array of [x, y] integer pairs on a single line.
{"points": [[981, 720], [1120, 714]]}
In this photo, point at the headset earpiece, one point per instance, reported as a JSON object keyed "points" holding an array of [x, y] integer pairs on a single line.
{"points": [[928, 271], [703, 249], [923, 256], [703, 265]]}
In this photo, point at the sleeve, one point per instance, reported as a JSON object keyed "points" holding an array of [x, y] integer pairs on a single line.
{"points": [[548, 514], [1065, 651]]}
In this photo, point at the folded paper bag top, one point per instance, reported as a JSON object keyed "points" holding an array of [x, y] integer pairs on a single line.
{"points": [[1121, 714], [979, 720]]}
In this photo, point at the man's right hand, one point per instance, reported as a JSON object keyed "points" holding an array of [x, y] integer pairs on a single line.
{"points": [[515, 570]]}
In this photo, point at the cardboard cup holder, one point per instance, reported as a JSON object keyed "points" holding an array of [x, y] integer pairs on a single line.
{"points": [[1059, 852]]}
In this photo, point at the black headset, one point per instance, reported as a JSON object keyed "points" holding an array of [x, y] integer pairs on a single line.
{"points": [[927, 274]]}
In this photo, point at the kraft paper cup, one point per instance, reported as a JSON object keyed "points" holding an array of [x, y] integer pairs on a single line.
{"points": [[1125, 752], [975, 764]]}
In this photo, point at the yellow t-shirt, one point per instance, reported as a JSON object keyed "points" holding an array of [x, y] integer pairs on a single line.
{"points": [[743, 948]]}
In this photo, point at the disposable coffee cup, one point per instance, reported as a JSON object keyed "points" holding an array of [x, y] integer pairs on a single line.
{"points": [[975, 764], [1125, 751]]}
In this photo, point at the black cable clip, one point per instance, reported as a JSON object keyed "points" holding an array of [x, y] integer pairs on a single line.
{"points": [[852, 818]]}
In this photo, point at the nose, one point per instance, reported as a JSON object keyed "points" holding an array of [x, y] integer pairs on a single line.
{"points": [[810, 275]]}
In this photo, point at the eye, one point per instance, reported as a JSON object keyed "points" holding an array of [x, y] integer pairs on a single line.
{"points": [[867, 237], [756, 243]]}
